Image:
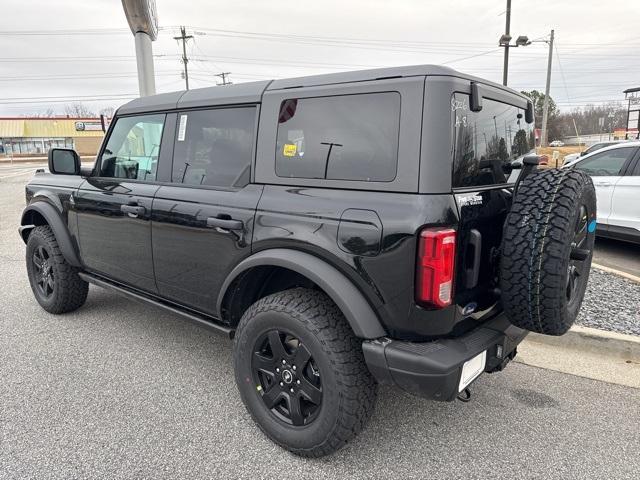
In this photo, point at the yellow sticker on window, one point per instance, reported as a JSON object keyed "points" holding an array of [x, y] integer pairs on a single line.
{"points": [[289, 149]]}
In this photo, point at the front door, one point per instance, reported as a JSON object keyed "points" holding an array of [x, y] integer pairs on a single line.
{"points": [[202, 222], [625, 205], [114, 204]]}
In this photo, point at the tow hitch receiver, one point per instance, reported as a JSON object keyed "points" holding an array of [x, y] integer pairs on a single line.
{"points": [[465, 395]]}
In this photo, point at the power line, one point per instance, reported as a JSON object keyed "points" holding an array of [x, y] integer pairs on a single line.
{"points": [[68, 32], [365, 41], [104, 58], [80, 76], [471, 56], [71, 96], [68, 100]]}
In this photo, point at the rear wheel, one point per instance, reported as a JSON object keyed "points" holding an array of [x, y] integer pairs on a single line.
{"points": [[55, 284], [301, 372], [547, 248]]}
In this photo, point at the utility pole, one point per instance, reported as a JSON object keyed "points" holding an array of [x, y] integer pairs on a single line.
{"points": [[223, 76], [184, 37], [545, 107], [507, 34]]}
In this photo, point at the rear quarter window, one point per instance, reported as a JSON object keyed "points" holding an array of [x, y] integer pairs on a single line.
{"points": [[485, 141], [346, 137]]}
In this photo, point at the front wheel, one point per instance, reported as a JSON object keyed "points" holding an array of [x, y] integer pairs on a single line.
{"points": [[301, 372], [56, 285]]}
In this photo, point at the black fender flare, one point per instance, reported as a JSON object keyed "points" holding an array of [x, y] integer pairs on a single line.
{"points": [[52, 215], [341, 290]]}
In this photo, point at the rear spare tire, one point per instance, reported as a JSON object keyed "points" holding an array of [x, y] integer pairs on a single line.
{"points": [[547, 248]]}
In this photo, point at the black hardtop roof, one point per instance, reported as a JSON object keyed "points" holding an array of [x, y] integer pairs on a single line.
{"points": [[251, 92]]}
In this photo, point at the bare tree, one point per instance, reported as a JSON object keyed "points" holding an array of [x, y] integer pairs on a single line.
{"points": [[108, 112], [48, 113], [78, 110]]}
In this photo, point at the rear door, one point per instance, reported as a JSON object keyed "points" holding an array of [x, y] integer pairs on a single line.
{"points": [[203, 214], [114, 204], [625, 203], [606, 169]]}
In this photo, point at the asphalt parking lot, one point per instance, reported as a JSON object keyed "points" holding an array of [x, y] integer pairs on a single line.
{"points": [[122, 390]]}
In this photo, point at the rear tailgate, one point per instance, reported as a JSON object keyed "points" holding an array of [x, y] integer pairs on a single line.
{"points": [[485, 144]]}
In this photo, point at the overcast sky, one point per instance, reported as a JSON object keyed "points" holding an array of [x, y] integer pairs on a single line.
{"points": [[598, 45]]}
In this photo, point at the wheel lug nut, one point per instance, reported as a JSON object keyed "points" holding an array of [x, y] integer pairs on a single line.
{"points": [[291, 390], [281, 384], [284, 361], [278, 370], [298, 382], [294, 367]]}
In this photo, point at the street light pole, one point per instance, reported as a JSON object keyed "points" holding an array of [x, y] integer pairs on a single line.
{"points": [[143, 21], [505, 70], [545, 107]]}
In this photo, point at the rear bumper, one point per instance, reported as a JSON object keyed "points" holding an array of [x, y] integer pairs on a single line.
{"points": [[433, 369]]}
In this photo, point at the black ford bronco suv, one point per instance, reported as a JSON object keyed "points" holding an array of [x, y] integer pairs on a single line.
{"points": [[346, 230]]}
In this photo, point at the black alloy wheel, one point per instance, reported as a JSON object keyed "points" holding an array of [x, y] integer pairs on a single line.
{"points": [[287, 377], [44, 276], [580, 252]]}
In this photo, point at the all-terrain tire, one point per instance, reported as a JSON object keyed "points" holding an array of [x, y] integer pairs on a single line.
{"points": [[547, 248], [348, 389], [68, 291]]}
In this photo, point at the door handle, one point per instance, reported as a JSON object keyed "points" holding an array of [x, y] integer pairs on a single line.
{"points": [[226, 223], [603, 184], [474, 250], [132, 210]]}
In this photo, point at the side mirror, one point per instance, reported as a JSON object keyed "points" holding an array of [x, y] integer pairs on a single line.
{"points": [[64, 161]]}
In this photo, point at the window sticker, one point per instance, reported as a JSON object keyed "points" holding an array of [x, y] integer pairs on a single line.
{"points": [[182, 129], [289, 149]]}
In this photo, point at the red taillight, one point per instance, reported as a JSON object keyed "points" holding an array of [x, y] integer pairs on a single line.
{"points": [[434, 275]]}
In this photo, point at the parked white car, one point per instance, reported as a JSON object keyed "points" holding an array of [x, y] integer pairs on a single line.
{"points": [[615, 171], [573, 157], [557, 143]]}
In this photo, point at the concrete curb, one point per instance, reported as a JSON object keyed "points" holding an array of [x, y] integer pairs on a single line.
{"points": [[593, 341], [620, 273]]}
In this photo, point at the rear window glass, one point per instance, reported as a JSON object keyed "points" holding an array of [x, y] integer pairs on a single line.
{"points": [[348, 137], [487, 140]]}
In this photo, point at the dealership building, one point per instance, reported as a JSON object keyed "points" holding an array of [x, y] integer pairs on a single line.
{"points": [[25, 136]]}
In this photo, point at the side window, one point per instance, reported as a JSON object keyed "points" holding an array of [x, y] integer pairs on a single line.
{"points": [[133, 148], [213, 147], [348, 137], [605, 164]]}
